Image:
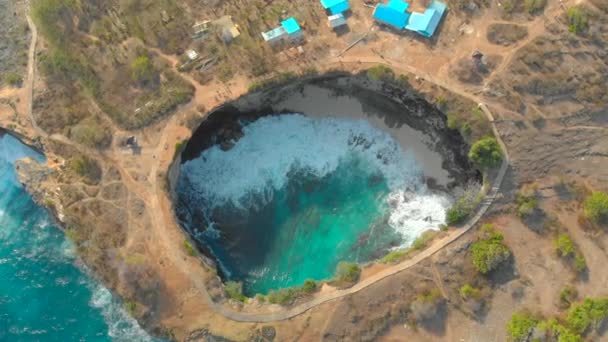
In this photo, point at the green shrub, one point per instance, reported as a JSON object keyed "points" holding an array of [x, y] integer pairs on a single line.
{"points": [[580, 263], [463, 207], [554, 329], [189, 249], [142, 69], [422, 241], [130, 306], [86, 168], [486, 152], [488, 253], [590, 312], [564, 245], [567, 296], [13, 79], [457, 214], [234, 290], [533, 6], [394, 256], [282, 296], [380, 73], [348, 271], [526, 201], [309, 286], [469, 292], [596, 207], [577, 20], [520, 326], [428, 296]]}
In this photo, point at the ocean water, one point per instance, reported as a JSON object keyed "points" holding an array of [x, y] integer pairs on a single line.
{"points": [[45, 295], [296, 195]]}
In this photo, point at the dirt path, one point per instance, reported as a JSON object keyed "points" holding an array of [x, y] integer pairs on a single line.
{"points": [[167, 237], [31, 75]]}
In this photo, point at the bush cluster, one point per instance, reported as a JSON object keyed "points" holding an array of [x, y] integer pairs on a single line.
{"points": [[469, 292], [348, 271], [385, 74], [581, 319], [486, 153], [577, 20], [234, 290], [489, 252], [596, 207]]}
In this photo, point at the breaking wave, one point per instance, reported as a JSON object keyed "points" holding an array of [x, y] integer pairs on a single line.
{"points": [[275, 148]]}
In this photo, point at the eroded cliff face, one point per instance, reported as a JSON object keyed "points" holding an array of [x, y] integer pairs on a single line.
{"points": [[397, 108]]}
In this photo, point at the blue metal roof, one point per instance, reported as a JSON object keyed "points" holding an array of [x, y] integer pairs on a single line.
{"points": [[398, 5], [335, 6], [394, 13], [291, 25], [426, 23]]}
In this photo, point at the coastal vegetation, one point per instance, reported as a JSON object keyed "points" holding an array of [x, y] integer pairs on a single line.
{"points": [[234, 290], [581, 319], [596, 207], [189, 248], [464, 205], [347, 272], [472, 124], [486, 153], [489, 251]]}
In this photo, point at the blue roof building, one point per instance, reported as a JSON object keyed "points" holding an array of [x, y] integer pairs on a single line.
{"points": [[335, 6], [426, 23], [291, 26], [394, 13], [289, 29]]}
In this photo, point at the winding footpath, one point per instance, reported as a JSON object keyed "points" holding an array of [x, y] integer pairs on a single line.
{"points": [[288, 313]]}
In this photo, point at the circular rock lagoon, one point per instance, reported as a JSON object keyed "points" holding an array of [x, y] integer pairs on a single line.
{"points": [[279, 187]]}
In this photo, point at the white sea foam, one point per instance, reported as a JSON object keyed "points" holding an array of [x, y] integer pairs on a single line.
{"points": [[260, 162], [121, 326]]}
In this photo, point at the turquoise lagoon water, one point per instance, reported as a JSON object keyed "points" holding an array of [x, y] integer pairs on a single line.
{"points": [[296, 195], [44, 294]]}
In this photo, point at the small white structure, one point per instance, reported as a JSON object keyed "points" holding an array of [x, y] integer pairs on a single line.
{"points": [[200, 29], [192, 55], [228, 29], [336, 20]]}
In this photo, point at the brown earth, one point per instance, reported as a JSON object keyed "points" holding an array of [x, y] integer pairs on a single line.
{"points": [[550, 114]]}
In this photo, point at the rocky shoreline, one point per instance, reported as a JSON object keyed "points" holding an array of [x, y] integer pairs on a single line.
{"points": [[392, 107], [417, 124]]}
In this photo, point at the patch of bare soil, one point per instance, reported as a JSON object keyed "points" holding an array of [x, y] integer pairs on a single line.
{"points": [[506, 34], [475, 69]]}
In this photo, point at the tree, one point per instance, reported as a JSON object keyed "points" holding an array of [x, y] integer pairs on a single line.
{"points": [[577, 19], [520, 326], [589, 312], [490, 252], [596, 207], [142, 69], [486, 152]]}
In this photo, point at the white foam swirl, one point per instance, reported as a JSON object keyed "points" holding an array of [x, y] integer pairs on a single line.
{"points": [[260, 163]]}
